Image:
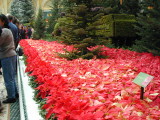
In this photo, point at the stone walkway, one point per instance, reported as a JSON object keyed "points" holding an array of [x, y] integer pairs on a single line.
{"points": [[11, 111], [6, 107]]}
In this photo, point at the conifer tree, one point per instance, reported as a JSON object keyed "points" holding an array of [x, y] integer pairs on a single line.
{"points": [[149, 27], [23, 10], [66, 5], [39, 26], [81, 32], [27, 11], [15, 8], [126, 7], [130, 7], [54, 15], [114, 4]]}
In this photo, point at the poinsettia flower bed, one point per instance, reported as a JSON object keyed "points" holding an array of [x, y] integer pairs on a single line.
{"points": [[97, 89]]}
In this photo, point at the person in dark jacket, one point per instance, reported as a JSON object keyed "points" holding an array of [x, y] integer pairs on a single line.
{"points": [[8, 60], [17, 23], [29, 32], [14, 30], [22, 33]]}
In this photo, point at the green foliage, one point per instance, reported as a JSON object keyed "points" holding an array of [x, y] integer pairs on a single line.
{"points": [[148, 28], [39, 26], [80, 28], [58, 10], [124, 28], [113, 4], [32, 22], [127, 7], [49, 37], [23, 10], [130, 7], [117, 25], [26, 24], [27, 12], [66, 5], [60, 26], [110, 45], [68, 55], [89, 55], [15, 6], [32, 83], [41, 103], [54, 15]]}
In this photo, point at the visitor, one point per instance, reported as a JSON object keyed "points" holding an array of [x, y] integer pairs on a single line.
{"points": [[14, 30], [29, 32], [17, 23], [8, 59], [32, 29], [26, 31], [22, 33]]}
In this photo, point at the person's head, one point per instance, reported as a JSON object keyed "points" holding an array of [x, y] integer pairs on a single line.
{"points": [[22, 27], [14, 20], [29, 27], [10, 18], [4, 21]]}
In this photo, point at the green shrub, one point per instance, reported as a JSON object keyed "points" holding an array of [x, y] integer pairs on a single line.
{"points": [[26, 24], [117, 25], [148, 28], [60, 25], [39, 26], [49, 37], [124, 28]]}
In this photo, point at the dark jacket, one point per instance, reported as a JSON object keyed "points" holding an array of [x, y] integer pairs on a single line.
{"points": [[14, 30]]}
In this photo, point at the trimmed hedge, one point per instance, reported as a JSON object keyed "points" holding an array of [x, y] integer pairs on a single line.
{"points": [[117, 25]]}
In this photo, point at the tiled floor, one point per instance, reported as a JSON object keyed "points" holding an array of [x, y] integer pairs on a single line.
{"points": [[14, 108], [15, 111]]}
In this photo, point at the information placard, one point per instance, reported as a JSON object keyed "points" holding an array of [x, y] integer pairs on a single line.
{"points": [[143, 79]]}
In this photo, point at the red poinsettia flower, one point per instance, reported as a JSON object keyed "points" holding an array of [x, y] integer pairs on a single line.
{"points": [[94, 89]]}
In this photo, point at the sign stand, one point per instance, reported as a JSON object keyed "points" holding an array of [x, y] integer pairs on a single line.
{"points": [[143, 80], [142, 93]]}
